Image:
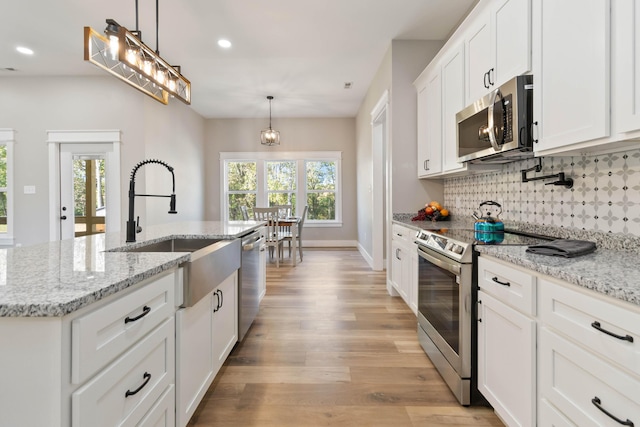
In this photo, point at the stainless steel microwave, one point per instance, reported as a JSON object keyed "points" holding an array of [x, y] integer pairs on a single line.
{"points": [[497, 127]]}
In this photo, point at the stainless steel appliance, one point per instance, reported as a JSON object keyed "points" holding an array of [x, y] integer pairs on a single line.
{"points": [[497, 127], [447, 296], [248, 281]]}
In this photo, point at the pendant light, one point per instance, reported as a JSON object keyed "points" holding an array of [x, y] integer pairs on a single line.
{"points": [[270, 136]]}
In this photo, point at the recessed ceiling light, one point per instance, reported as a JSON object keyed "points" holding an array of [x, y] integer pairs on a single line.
{"points": [[224, 43], [24, 50], [347, 85]]}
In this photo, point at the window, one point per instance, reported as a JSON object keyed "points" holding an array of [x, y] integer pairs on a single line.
{"points": [[242, 186], [6, 190], [298, 179]]}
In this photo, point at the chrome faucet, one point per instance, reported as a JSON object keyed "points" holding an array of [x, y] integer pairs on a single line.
{"points": [[133, 227]]}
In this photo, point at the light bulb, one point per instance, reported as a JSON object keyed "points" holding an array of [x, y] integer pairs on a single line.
{"points": [[172, 84], [132, 56], [147, 67], [113, 46], [161, 76]]}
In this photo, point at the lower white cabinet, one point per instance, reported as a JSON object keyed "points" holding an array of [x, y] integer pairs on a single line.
{"points": [[506, 361], [404, 265], [205, 335], [262, 279]]}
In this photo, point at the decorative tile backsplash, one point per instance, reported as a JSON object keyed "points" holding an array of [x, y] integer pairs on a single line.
{"points": [[605, 194]]}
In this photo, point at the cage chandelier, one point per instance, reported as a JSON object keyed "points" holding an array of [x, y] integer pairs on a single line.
{"points": [[123, 54], [270, 136]]}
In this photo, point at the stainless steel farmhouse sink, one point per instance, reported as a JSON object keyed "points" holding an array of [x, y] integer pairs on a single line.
{"points": [[211, 261]]}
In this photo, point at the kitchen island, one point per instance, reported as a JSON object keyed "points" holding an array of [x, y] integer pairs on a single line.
{"points": [[80, 318]]}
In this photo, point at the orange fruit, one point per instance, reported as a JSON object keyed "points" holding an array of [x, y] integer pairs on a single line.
{"points": [[444, 212], [436, 205]]}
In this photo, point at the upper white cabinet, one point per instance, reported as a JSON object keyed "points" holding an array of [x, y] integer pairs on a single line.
{"points": [[497, 46], [571, 61], [429, 87], [452, 102]]}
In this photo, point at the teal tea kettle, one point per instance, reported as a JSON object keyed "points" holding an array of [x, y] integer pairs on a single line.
{"points": [[488, 229]]}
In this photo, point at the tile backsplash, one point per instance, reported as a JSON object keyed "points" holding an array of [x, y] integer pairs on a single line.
{"points": [[605, 196]]}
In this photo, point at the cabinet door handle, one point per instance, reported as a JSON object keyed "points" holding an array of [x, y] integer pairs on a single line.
{"points": [[426, 165], [221, 299], [217, 303], [598, 404], [486, 77], [598, 326], [490, 73], [147, 377], [534, 135], [145, 310], [495, 279], [398, 250]]}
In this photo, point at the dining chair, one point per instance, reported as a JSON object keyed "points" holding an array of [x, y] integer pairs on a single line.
{"points": [[284, 211], [288, 237], [245, 213], [273, 238]]}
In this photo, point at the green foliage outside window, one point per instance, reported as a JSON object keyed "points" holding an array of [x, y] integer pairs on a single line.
{"points": [[242, 185], [281, 183], [321, 186]]}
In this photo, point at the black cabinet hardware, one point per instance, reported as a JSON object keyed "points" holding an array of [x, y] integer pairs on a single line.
{"points": [[596, 325], [220, 297], [495, 279], [145, 310], [598, 404], [147, 377]]}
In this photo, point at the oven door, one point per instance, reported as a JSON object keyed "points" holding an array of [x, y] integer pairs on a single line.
{"points": [[444, 307]]}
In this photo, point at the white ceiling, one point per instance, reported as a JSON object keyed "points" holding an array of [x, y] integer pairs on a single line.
{"points": [[300, 51]]}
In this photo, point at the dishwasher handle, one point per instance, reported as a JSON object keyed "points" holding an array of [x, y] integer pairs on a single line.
{"points": [[252, 241]]}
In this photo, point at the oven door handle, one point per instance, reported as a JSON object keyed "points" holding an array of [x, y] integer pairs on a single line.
{"points": [[442, 262]]}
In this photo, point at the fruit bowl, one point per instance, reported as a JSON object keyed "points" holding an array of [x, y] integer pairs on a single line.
{"points": [[432, 212]]}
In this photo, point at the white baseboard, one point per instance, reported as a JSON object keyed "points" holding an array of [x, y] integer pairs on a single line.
{"points": [[365, 255], [329, 243]]}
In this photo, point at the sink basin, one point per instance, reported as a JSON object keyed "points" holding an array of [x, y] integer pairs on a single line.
{"points": [[174, 245], [211, 261]]}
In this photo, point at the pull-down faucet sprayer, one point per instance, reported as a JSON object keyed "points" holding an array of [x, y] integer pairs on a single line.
{"points": [[133, 227]]}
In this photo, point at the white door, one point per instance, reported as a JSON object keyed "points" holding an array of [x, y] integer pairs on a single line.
{"points": [[64, 147]]}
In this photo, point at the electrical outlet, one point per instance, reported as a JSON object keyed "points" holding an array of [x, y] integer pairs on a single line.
{"points": [[29, 189]]}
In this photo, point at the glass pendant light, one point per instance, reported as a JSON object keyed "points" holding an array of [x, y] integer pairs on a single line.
{"points": [[270, 136]]}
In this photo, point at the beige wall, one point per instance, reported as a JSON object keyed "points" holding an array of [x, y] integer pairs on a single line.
{"points": [[174, 133], [402, 64], [297, 134]]}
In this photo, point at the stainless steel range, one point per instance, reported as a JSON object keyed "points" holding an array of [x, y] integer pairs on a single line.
{"points": [[447, 299]]}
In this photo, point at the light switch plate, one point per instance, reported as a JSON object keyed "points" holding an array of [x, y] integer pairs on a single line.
{"points": [[29, 189]]}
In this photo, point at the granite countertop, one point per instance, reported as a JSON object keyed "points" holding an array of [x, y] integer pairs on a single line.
{"points": [[57, 278], [611, 270]]}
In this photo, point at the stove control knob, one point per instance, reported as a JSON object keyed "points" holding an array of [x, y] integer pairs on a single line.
{"points": [[449, 246], [457, 249]]}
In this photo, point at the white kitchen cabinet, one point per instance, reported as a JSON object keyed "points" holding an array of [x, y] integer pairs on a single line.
{"points": [[452, 102], [206, 334], [507, 343], [571, 73], [589, 355], [429, 127], [75, 370], [262, 278], [224, 320], [194, 357], [404, 265], [497, 46]]}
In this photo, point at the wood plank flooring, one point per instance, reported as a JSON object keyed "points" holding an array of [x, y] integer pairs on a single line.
{"points": [[330, 347]]}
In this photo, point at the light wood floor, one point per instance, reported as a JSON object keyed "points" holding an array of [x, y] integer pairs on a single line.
{"points": [[330, 347]]}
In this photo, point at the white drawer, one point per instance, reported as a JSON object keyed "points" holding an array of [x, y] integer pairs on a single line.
{"points": [[101, 335], [572, 378], [548, 416], [400, 232], [163, 413], [126, 390], [512, 286], [577, 314]]}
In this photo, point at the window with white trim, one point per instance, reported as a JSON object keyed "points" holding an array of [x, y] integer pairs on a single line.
{"points": [[283, 178], [7, 137]]}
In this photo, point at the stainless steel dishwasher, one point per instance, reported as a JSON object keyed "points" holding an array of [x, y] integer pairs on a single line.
{"points": [[249, 280]]}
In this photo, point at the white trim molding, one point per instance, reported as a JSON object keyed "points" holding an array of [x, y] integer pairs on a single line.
{"points": [[86, 137], [8, 138]]}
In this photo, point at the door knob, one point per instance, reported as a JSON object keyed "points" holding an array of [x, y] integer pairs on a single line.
{"points": [[63, 217]]}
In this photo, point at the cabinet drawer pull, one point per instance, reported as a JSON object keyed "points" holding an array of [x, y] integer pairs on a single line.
{"points": [[221, 299], [598, 404], [147, 377], [398, 250], [495, 279], [597, 326], [145, 310]]}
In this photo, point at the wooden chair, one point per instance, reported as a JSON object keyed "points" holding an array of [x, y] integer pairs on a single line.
{"points": [[288, 237], [284, 211], [273, 238], [245, 213]]}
